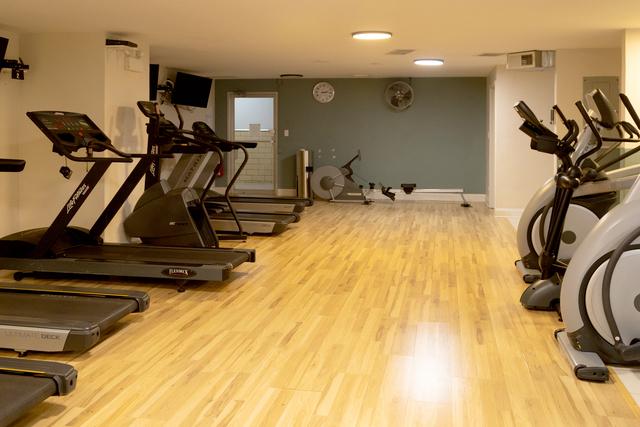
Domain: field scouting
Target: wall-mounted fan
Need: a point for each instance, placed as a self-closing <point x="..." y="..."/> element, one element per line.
<point x="399" y="95"/>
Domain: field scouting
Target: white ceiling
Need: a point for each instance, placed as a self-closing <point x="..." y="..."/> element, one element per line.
<point x="253" y="39"/>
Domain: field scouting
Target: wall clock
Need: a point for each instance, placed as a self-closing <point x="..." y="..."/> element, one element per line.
<point x="323" y="92"/>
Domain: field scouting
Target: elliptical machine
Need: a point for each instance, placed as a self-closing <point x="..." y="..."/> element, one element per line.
<point x="597" y="194"/>
<point x="600" y="294"/>
<point x="545" y="293"/>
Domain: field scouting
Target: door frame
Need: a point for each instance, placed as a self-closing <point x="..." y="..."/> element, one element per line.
<point x="231" y="97"/>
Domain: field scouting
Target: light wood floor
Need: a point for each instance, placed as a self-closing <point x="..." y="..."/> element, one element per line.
<point x="390" y="314"/>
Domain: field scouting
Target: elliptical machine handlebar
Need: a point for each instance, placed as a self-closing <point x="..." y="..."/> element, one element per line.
<point x="560" y="113"/>
<point x="632" y="111"/>
<point x="589" y="121"/>
<point x="545" y="140"/>
<point x="566" y="146"/>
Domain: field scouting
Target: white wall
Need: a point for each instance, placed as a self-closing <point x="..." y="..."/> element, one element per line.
<point x="67" y="73"/>
<point x="9" y="113"/>
<point x="490" y="155"/>
<point x="630" y="79"/>
<point x="572" y="65"/>
<point x="518" y="170"/>
<point x="126" y="82"/>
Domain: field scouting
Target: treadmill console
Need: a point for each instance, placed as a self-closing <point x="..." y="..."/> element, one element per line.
<point x="204" y="130"/>
<point x="166" y="128"/>
<point x="201" y="128"/>
<point x="148" y="108"/>
<point x="69" y="132"/>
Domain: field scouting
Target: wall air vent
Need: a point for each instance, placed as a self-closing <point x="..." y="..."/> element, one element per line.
<point x="531" y="60"/>
<point x="401" y="51"/>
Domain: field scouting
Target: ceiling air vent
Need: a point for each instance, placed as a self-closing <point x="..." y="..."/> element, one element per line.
<point x="531" y="60"/>
<point x="401" y="51"/>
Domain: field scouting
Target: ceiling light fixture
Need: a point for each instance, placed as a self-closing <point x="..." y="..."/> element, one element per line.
<point x="371" y="35"/>
<point x="429" y="62"/>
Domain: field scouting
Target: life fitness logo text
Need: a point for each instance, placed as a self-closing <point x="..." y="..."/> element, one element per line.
<point x="178" y="272"/>
<point x="74" y="199"/>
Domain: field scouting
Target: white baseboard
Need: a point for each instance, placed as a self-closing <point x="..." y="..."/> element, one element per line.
<point x="509" y="213"/>
<point x="286" y="192"/>
<point x="376" y="194"/>
<point x="417" y="196"/>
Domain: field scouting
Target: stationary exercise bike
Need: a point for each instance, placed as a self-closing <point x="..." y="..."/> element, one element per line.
<point x="600" y="296"/>
<point x="337" y="185"/>
<point x="596" y="195"/>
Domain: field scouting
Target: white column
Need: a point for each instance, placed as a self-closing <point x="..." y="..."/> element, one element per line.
<point x="518" y="170"/>
<point x="631" y="66"/>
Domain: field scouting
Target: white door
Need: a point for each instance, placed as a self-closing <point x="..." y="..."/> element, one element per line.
<point x="253" y="118"/>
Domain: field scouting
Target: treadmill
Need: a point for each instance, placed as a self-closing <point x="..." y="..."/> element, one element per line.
<point x="26" y="383"/>
<point x="73" y="250"/>
<point x="164" y="136"/>
<point x="223" y="219"/>
<point x="264" y="204"/>
<point x="60" y="318"/>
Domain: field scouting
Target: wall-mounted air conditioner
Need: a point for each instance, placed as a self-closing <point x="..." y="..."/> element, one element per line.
<point x="531" y="60"/>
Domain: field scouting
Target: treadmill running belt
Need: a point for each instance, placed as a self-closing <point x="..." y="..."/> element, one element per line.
<point x="77" y="310"/>
<point x="158" y="255"/>
<point x="19" y="393"/>
<point x="250" y="216"/>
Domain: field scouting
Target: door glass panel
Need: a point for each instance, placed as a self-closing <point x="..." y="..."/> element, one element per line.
<point x="254" y="122"/>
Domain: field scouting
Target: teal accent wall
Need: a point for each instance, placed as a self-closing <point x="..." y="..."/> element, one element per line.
<point x="439" y="142"/>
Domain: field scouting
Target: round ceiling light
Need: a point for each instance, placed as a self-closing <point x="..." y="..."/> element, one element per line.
<point x="429" y="62"/>
<point x="371" y="35"/>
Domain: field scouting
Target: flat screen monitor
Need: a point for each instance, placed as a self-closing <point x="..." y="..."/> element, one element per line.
<point x="191" y="90"/>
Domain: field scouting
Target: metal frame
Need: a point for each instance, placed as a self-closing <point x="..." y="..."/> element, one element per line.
<point x="231" y="96"/>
